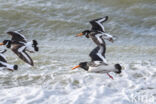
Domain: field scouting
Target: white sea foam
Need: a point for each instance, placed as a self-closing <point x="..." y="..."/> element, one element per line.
<point x="136" y="85"/>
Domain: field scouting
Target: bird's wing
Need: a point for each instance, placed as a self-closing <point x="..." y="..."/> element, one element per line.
<point x="16" y="36"/>
<point x="19" y="50"/>
<point x="2" y="58"/>
<point x="93" y="54"/>
<point x="97" y="24"/>
<point x="3" y="51"/>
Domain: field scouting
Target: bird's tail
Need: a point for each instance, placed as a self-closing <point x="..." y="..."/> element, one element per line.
<point x="32" y="46"/>
<point x="35" y="43"/>
<point x="119" y="68"/>
<point x="10" y="67"/>
<point x="15" y="67"/>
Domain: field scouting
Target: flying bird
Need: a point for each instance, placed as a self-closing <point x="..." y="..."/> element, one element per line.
<point x="4" y="64"/>
<point x="20" y="46"/>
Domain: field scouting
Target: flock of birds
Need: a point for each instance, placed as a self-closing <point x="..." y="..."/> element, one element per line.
<point x="98" y="64"/>
<point x="20" y="46"/>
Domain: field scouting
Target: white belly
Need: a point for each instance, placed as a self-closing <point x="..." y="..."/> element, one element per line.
<point x="103" y="69"/>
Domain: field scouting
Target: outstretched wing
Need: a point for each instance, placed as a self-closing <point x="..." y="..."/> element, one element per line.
<point x="3" y="51"/>
<point x="16" y="36"/>
<point x="97" y="24"/>
<point x="19" y="50"/>
<point x="2" y="58"/>
<point x="93" y="54"/>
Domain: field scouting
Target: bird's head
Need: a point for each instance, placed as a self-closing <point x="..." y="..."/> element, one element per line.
<point x="82" y="65"/>
<point x="7" y="43"/>
<point x="84" y="33"/>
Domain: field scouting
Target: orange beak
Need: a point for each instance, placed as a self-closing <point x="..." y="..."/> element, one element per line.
<point x="79" y="34"/>
<point x="75" y="67"/>
<point x="1" y="44"/>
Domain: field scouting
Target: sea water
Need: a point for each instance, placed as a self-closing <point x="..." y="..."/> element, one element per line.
<point x="54" y="24"/>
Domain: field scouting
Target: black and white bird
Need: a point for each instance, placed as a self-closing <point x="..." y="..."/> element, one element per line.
<point x="97" y="66"/>
<point x="19" y="46"/>
<point x="97" y="26"/>
<point x="98" y="34"/>
<point x="4" y="64"/>
<point x="98" y="39"/>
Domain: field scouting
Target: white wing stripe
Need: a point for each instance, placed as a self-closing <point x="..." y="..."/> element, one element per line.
<point x="21" y="51"/>
<point x="98" y="37"/>
<point x="2" y="56"/>
<point x="7" y="65"/>
<point x="101" y="25"/>
<point x="100" y="54"/>
<point x="107" y="36"/>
